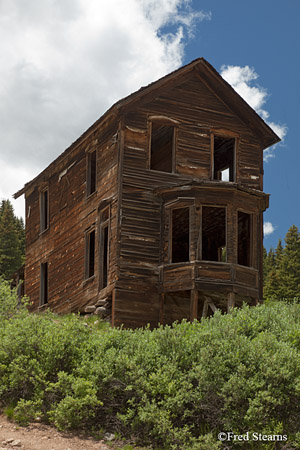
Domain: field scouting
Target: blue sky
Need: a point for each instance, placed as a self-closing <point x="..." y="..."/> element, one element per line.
<point x="264" y="35"/>
<point x="63" y="63"/>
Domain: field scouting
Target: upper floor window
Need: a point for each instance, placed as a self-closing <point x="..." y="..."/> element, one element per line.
<point x="44" y="210"/>
<point x="162" y="147"/>
<point x="91" y="172"/>
<point x="224" y="158"/>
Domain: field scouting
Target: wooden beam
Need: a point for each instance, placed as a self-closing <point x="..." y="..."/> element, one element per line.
<point x="208" y="303"/>
<point x="205" y="308"/>
<point x="230" y="301"/>
<point x="194" y="305"/>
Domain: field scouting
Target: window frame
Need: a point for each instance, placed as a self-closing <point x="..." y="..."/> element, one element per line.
<point x="200" y="250"/>
<point x="87" y="254"/>
<point x="251" y="228"/>
<point x="178" y="203"/>
<point x="226" y="135"/>
<point x="104" y="223"/>
<point x="163" y="121"/>
<point x="171" y="234"/>
<point x="44" y="283"/>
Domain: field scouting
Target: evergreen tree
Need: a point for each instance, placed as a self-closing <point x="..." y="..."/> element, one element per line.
<point x="268" y="262"/>
<point x="289" y="265"/>
<point x="271" y="278"/>
<point x="12" y="240"/>
<point x="21" y="234"/>
<point x="282" y="268"/>
<point x="278" y="253"/>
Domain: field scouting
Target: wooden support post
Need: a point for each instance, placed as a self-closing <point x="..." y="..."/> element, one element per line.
<point x="230" y="301"/>
<point x="208" y="303"/>
<point x="194" y="305"/>
<point x="205" y="308"/>
<point x="162" y="296"/>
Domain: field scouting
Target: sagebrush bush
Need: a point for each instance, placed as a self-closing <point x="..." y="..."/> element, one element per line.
<point x="174" y="387"/>
<point x="9" y="303"/>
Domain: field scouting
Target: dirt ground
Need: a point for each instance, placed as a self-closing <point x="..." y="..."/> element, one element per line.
<point x="38" y="436"/>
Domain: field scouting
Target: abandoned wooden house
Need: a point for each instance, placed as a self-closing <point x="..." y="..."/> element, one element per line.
<point x="155" y="213"/>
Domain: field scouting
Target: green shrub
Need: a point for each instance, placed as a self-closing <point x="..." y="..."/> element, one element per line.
<point x="171" y="388"/>
<point x="9" y="303"/>
<point x="78" y="402"/>
<point x="27" y="411"/>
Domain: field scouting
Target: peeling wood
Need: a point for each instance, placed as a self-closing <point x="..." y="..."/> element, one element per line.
<point x="143" y="284"/>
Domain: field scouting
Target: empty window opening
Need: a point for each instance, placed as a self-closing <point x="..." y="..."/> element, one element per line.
<point x="180" y="235"/>
<point x="224" y="174"/>
<point x="44" y="284"/>
<point x="214" y="234"/>
<point x="222" y="254"/>
<point x="162" y="147"/>
<point x="224" y="149"/>
<point x="105" y="255"/>
<point x="90" y="254"/>
<point x="244" y="239"/>
<point x="44" y="216"/>
<point x="91" y="172"/>
<point x="104" y="248"/>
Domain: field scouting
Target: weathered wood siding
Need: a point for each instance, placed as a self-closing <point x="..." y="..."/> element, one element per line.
<point x="198" y="113"/>
<point x="145" y="286"/>
<point x="71" y="214"/>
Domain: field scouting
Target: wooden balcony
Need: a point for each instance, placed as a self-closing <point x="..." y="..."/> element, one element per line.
<point x="209" y="276"/>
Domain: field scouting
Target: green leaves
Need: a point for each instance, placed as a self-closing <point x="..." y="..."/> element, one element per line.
<point x="173" y="387"/>
<point x="282" y="268"/>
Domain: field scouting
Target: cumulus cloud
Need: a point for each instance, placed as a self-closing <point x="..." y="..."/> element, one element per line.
<point x="242" y="79"/>
<point x="268" y="228"/>
<point x="63" y="63"/>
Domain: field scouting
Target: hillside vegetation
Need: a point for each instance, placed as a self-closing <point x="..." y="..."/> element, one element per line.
<point x="170" y="388"/>
<point x="282" y="268"/>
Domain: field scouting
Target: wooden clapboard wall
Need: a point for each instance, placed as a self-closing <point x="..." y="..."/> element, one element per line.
<point x="143" y="286"/>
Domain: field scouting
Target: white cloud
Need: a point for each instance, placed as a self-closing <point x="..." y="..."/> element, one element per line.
<point x="241" y="79"/>
<point x="63" y="63"/>
<point x="268" y="228"/>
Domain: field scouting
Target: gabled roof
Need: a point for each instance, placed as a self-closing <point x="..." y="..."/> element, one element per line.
<point x="213" y="80"/>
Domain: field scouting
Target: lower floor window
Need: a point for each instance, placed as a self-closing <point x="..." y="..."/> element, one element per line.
<point x="202" y="232"/>
<point x="90" y="254"/>
<point x="180" y="235"/>
<point x="44" y="283"/>
<point x="244" y="239"/>
<point x="214" y="233"/>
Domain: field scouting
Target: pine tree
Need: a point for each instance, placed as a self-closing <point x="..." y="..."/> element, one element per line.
<point x="271" y="275"/>
<point x="12" y="240"/>
<point x="269" y="261"/>
<point x="289" y="265"/>
<point x="278" y="253"/>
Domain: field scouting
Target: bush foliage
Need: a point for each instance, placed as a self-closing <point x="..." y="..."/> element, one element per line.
<point x="171" y="388"/>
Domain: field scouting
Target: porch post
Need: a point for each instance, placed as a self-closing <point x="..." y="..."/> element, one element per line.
<point x="230" y="301"/>
<point x="194" y="305"/>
